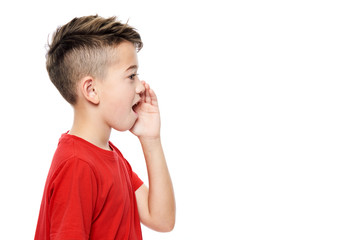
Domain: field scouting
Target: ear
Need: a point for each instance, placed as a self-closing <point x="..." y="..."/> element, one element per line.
<point x="89" y="91"/>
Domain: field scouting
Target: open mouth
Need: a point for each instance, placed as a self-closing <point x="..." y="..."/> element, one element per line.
<point x="135" y="105"/>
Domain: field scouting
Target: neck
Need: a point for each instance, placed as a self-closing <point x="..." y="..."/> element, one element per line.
<point x="91" y="129"/>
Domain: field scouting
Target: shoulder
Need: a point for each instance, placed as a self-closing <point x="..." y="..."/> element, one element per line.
<point x="71" y="157"/>
<point x="73" y="147"/>
<point x="71" y="153"/>
<point x="72" y="168"/>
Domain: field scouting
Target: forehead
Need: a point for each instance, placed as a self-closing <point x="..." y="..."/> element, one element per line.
<point x="125" y="55"/>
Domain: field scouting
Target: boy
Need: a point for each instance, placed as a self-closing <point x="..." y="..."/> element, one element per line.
<point x="91" y="191"/>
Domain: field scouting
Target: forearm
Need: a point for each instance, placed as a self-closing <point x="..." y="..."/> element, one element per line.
<point x="161" y="200"/>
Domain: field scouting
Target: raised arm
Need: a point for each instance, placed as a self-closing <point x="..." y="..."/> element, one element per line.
<point x="156" y="204"/>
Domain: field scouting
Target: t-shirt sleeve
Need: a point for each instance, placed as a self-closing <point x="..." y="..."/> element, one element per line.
<point x="72" y="199"/>
<point x="136" y="181"/>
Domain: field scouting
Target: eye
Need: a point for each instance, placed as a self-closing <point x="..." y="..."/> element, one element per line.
<point x="133" y="76"/>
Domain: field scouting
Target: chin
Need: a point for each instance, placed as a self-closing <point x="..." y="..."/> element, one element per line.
<point x="122" y="129"/>
<point x="125" y="127"/>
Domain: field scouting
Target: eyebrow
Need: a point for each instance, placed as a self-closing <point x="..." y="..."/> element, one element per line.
<point x="132" y="67"/>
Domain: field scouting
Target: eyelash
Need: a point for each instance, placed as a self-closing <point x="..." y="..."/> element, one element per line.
<point x="132" y="76"/>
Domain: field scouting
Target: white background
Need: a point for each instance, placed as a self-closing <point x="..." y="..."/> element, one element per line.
<point x="259" y="103"/>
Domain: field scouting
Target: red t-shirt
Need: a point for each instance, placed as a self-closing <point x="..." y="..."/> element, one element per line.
<point x="89" y="194"/>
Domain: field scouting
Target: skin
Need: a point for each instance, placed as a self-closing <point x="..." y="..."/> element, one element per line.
<point x="106" y="104"/>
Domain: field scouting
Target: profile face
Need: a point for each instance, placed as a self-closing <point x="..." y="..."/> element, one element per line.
<point x="120" y="90"/>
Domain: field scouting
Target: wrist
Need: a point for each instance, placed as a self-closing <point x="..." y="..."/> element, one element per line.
<point x="150" y="141"/>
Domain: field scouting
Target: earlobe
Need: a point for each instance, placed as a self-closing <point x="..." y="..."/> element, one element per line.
<point x="89" y="91"/>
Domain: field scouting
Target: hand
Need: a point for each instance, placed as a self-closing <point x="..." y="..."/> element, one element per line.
<point x="148" y="123"/>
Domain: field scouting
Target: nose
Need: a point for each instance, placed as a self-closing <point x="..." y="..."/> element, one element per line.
<point x="140" y="88"/>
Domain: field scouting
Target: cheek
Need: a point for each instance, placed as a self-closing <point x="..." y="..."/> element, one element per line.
<point x="121" y="119"/>
<point x="117" y="100"/>
<point x="117" y="108"/>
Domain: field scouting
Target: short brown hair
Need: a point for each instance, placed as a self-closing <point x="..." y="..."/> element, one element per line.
<point x="83" y="47"/>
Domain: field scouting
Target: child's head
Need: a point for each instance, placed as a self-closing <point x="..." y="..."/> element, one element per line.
<point x="84" y="47"/>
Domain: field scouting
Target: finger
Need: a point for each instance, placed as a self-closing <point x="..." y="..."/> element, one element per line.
<point x="147" y="95"/>
<point x="153" y="97"/>
<point x="142" y="95"/>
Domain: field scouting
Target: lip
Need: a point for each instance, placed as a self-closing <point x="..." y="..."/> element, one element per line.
<point x="135" y="105"/>
<point x="138" y="101"/>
